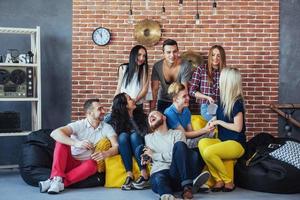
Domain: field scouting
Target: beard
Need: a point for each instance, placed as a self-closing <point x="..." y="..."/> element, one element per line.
<point x="157" y="124"/>
<point x="96" y="117"/>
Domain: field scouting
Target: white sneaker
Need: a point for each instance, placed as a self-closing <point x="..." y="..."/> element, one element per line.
<point x="200" y="180"/>
<point x="167" y="197"/>
<point x="204" y="188"/>
<point x="44" y="185"/>
<point x="56" y="185"/>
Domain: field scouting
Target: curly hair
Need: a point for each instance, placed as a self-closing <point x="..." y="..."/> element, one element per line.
<point x="120" y="119"/>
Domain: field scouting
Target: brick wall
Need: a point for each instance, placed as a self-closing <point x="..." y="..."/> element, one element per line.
<point x="247" y="29"/>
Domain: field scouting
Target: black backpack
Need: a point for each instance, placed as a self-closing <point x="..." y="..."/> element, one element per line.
<point x="259" y="171"/>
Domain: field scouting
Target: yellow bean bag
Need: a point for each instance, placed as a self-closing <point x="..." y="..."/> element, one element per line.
<point x="102" y="145"/>
<point x="115" y="173"/>
<point x="198" y="122"/>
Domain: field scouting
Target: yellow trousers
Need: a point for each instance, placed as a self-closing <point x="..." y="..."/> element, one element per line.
<point x="214" y="152"/>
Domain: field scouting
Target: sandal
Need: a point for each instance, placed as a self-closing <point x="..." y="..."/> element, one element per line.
<point x="218" y="187"/>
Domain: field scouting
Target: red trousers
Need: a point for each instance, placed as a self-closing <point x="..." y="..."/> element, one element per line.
<point x="70" y="169"/>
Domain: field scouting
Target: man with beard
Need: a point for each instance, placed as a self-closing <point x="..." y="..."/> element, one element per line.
<point x="74" y="158"/>
<point x="175" y="167"/>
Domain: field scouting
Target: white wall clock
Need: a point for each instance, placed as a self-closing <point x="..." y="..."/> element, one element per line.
<point x="101" y="36"/>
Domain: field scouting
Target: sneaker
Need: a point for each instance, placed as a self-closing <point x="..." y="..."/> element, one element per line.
<point x="200" y="180"/>
<point x="141" y="183"/>
<point x="203" y="188"/>
<point x="167" y="197"/>
<point x="44" y="185"/>
<point x="128" y="184"/>
<point x="187" y="192"/>
<point x="56" y="185"/>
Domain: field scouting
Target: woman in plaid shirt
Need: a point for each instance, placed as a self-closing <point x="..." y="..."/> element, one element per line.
<point x="205" y="80"/>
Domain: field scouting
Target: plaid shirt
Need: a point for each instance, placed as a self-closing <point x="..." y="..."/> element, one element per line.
<point x="199" y="83"/>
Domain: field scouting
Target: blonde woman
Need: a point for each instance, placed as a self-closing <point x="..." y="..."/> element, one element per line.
<point x="231" y="130"/>
<point x="205" y="80"/>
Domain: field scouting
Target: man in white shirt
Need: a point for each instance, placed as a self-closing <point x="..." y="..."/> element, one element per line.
<point x="175" y="167"/>
<point x="74" y="158"/>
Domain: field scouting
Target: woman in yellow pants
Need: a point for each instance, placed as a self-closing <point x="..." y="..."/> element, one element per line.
<point x="231" y="131"/>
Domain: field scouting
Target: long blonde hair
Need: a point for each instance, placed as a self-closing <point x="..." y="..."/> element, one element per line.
<point x="230" y="89"/>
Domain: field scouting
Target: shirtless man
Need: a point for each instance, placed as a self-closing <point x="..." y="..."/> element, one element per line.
<point x="166" y="71"/>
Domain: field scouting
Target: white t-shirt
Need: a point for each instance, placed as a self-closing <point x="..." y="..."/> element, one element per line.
<point x="82" y="130"/>
<point x="162" y="147"/>
<point x="134" y="86"/>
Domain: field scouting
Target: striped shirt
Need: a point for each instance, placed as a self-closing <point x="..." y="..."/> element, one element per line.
<point x="200" y="83"/>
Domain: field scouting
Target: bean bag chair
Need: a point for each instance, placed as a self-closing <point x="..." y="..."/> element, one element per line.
<point x="36" y="161"/>
<point x="115" y="173"/>
<point x="259" y="171"/>
<point x="198" y="122"/>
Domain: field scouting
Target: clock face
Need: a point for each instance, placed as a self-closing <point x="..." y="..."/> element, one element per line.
<point x="101" y="36"/>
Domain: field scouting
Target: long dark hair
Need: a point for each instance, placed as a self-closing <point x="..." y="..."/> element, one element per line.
<point x="120" y="116"/>
<point x="132" y="65"/>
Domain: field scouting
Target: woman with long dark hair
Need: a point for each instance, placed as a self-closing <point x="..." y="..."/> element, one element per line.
<point x="131" y="125"/>
<point x="133" y="76"/>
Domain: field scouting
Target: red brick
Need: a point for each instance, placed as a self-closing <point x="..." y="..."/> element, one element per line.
<point x="248" y="30"/>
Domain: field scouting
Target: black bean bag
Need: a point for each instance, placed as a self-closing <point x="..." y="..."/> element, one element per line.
<point x="36" y="161"/>
<point x="264" y="173"/>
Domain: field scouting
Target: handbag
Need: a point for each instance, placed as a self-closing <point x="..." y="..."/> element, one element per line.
<point x="261" y="154"/>
<point x="289" y="153"/>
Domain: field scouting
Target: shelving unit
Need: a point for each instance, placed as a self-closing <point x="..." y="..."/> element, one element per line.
<point x="36" y="65"/>
<point x="11" y="141"/>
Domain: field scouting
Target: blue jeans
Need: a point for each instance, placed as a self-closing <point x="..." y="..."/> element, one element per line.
<point x="128" y="142"/>
<point x="186" y="165"/>
<point x="162" y="105"/>
<point x="107" y="117"/>
<point x="204" y="113"/>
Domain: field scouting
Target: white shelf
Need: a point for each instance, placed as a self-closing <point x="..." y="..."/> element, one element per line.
<point x="23" y="133"/>
<point x="17" y="65"/>
<point x="36" y="108"/>
<point x="9" y="166"/>
<point x="35" y="48"/>
<point x="11" y="30"/>
<point x="19" y="99"/>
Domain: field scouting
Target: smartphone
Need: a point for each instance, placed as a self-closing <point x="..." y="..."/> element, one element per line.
<point x="145" y="157"/>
